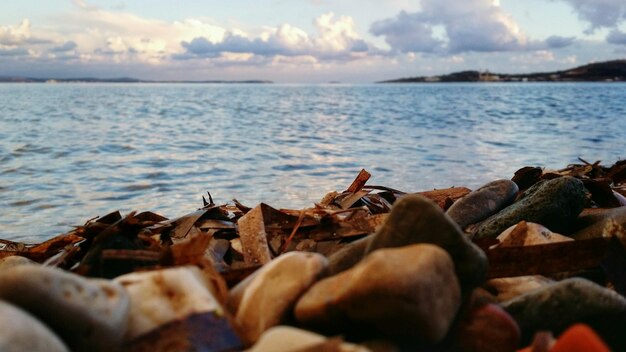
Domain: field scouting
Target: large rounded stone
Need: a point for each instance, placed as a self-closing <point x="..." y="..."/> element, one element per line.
<point x="267" y="298"/>
<point x="483" y="202"/>
<point x="556" y="307"/>
<point x="20" y="331"/>
<point x="290" y="339"/>
<point x="597" y="223"/>
<point x="415" y="219"/>
<point x="348" y="256"/>
<point x="553" y="203"/>
<point x="89" y="314"/>
<point x="13" y="261"/>
<point x="409" y="293"/>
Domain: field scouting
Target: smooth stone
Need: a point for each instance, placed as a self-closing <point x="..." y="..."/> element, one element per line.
<point x="162" y="296"/>
<point x="415" y="219"/>
<point x="528" y="234"/>
<point x="348" y="255"/>
<point x="290" y="339"/>
<point x="88" y="314"/>
<point x="552" y="203"/>
<point x="597" y="223"/>
<point x="556" y="307"/>
<point x="20" y="331"/>
<point x="13" y="261"/>
<point x="483" y="202"/>
<point x="409" y="293"/>
<point x="267" y="298"/>
<point x="488" y="328"/>
<point x="510" y="287"/>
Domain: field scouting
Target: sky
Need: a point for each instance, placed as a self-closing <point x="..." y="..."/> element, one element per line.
<point x="304" y="41"/>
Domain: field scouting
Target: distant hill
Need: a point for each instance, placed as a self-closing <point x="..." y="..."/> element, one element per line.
<point x="17" y="79"/>
<point x="612" y="71"/>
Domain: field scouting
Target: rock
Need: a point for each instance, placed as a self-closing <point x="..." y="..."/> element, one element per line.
<point x="487" y="328"/>
<point x="348" y="256"/>
<point x="290" y="339"/>
<point x="414" y="219"/>
<point x="556" y="307"/>
<point x="483" y="202"/>
<point x="267" y="298"/>
<point x="161" y="296"/>
<point x="88" y="314"/>
<point x="409" y="293"/>
<point x="511" y="287"/>
<point x="20" y="331"/>
<point x="528" y="234"/>
<point x="553" y="203"/>
<point x="596" y="223"/>
<point x="13" y="261"/>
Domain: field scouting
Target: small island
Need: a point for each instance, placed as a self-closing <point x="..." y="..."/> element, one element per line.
<point x="608" y="71"/>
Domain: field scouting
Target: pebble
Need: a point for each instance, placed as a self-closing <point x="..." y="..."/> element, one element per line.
<point x="408" y="293"/>
<point x="13" y="261"/>
<point x="553" y="203"/>
<point x="162" y="296"/>
<point x="556" y="307"/>
<point x="487" y="328"/>
<point x="510" y="287"/>
<point x="528" y="234"/>
<point x="88" y="314"/>
<point x="290" y="339"/>
<point x="483" y="202"/>
<point x="348" y="255"/>
<point x="20" y="331"/>
<point x="415" y="219"/>
<point x="597" y="223"/>
<point x="267" y="298"/>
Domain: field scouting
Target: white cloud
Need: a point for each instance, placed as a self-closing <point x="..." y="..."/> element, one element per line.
<point x="468" y="26"/>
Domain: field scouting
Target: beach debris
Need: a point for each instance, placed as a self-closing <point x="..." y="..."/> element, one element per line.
<point x="440" y="269"/>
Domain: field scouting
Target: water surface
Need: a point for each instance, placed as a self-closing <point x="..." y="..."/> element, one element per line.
<point x="69" y="152"/>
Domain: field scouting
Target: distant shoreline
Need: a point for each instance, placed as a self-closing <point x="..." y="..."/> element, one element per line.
<point x="119" y="80"/>
<point x="608" y="71"/>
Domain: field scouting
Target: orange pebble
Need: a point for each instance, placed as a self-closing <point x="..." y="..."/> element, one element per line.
<point x="579" y="338"/>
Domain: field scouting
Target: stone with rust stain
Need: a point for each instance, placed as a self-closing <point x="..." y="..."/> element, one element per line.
<point x="88" y="314"/>
<point x="528" y="234"/>
<point x="267" y="297"/>
<point x="162" y="296"/>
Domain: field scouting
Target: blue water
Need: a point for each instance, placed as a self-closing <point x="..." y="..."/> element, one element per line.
<point x="69" y="152"/>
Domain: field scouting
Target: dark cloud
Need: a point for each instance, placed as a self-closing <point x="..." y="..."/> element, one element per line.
<point x="407" y="33"/>
<point x="600" y="13"/>
<point x="67" y="46"/>
<point x="557" y="42"/>
<point x="14" y="52"/>
<point x="616" y="37"/>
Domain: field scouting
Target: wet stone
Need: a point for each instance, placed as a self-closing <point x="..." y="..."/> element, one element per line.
<point x="483" y="202"/>
<point x="415" y="219"/>
<point x="88" y="314"/>
<point x="553" y="203"/>
<point x="556" y="307"/>
<point x="20" y="331"/>
<point x="397" y="292"/>
<point x="267" y="298"/>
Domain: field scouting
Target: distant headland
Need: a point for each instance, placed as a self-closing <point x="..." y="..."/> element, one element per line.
<point x="608" y="71"/>
<point x="20" y="79"/>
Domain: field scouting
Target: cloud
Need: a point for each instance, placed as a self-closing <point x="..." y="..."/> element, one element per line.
<point x="616" y="37"/>
<point x="599" y="13"/>
<point x="67" y="46"/>
<point x="13" y="52"/>
<point x="453" y="27"/>
<point x="557" y="42"/>
<point x="336" y="38"/>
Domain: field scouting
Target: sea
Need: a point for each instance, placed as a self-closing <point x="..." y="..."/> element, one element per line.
<point x="71" y="152"/>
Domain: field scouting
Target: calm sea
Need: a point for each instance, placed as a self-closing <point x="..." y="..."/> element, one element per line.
<point x="69" y="152"/>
